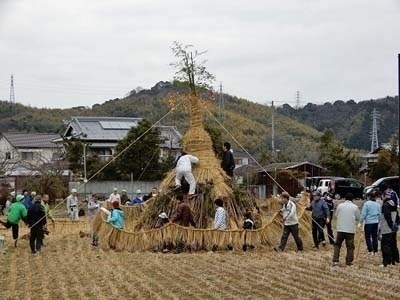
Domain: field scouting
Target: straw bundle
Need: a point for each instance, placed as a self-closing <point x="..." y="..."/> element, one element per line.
<point x="67" y="226"/>
<point x="198" y="239"/>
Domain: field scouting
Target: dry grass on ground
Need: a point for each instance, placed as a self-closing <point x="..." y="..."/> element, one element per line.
<point x="69" y="268"/>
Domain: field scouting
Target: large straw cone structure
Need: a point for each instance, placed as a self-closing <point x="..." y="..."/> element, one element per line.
<point x="198" y="143"/>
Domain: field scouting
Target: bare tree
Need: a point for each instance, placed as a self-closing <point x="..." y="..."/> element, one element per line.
<point x="189" y="68"/>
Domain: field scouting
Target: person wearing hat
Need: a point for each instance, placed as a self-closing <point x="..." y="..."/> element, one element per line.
<point x="124" y="197"/>
<point x="389" y="225"/>
<point x="162" y="220"/>
<point x="320" y="216"/>
<point x="93" y="208"/>
<point x="347" y="214"/>
<point x="116" y="217"/>
<point x="291" y="224"/>
<point x="72" y="205"/>
<point x="138" y="198"/>
<point x="16" y="213"/>
<point x="115" y="196"/>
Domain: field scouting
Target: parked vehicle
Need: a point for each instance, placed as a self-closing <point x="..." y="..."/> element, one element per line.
<point x="341" y="186"/>
<point x="382" y="183"/>
<point x="323" y="186"/>
<point x="313" y="182"/>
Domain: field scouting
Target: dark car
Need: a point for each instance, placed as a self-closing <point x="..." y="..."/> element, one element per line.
<point x="341" y="186"/>
<point x="382" y="184"/>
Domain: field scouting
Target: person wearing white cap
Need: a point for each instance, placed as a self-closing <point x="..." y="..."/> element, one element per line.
<point x="139" y="197"/>
<point x="124" y="197"/>
<point x="162" y="220"/>
<point x="115" y="196"/>
<point x="72" y="205"/>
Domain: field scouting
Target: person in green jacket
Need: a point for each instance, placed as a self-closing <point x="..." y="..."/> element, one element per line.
<point x="16" y="213"/>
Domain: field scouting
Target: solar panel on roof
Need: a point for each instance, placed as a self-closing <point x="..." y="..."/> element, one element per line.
<point x="117" y="125"/>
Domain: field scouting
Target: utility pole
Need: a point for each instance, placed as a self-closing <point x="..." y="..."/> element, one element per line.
<point x="398" y="111"/>
<point x="12" y="94"/>
<point x="220" y="103"/>
<point x="374" y="132"/>
<point x="84" y="168"/>
<point x="273" y="130"/>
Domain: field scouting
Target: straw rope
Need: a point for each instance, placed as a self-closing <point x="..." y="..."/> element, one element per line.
<point x="198" y="239"/>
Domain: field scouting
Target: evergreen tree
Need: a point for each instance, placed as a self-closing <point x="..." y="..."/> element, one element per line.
<point x="337" y="160"/>
<point x="142" y="159"/>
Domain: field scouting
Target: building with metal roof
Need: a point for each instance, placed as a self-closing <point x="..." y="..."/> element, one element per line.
<point x="102" y="134"/>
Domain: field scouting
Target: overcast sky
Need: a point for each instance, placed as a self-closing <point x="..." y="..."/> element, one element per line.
<point x="82" y="52"/>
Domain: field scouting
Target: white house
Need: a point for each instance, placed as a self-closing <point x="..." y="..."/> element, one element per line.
<point x="25" y="151"/>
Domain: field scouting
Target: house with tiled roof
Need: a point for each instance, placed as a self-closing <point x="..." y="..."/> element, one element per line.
<point x="101" y="134"/>
<point x="25" y="150"/>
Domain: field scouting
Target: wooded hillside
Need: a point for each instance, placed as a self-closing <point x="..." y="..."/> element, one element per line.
<point x="296" y="131"/>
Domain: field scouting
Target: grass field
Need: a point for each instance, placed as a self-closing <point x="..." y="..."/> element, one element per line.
<point x="69" y="268"/>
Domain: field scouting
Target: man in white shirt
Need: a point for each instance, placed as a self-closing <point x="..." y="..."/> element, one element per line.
<point x="220" y="215"/>
<point x="72" y="205"/>
<point x="347" y="214"/>
<point x="115" y="196"/>
<point x="184" y="169"/>
<point x="291" y="224"/>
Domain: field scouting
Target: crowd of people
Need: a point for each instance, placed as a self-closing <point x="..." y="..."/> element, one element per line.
<point x="378" y="219"/>
<point x="34" y="211"/>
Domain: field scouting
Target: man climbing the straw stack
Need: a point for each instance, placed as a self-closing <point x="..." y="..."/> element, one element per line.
<point x="184" y="169"/>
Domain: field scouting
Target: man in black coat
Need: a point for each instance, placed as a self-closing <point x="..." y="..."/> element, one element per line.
<point x="36" y="220"/>
<point x="228" y="163"/>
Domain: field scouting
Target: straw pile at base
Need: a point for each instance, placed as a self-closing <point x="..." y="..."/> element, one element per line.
<point x="199" y="239"/>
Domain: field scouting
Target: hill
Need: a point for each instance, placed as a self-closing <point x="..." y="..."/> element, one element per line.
<point x="351" y="121"/>
<point x="297" y="131"/>
<point x="249" y="123"/>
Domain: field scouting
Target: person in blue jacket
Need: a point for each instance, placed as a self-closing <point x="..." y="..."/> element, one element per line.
<point x="370" y="216"/>
<point x="116" y="218"/>
<point x="320" y="216"/>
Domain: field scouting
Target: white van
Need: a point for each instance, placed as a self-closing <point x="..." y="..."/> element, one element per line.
<point x="323" y="186"/>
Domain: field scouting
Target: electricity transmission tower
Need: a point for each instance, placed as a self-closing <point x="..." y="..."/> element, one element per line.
<point x="12" y="94"/>
<point x="297" y="99"/>
<point x="374" y="131"/>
